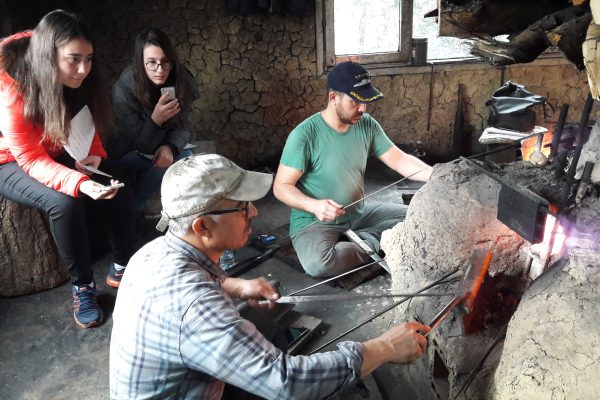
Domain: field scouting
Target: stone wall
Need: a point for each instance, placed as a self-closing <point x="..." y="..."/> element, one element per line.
<point x="258" y="76"/>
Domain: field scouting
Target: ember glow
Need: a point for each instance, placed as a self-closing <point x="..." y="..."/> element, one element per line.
<point x="542" y="249"/>
<point x="528" y="146"/>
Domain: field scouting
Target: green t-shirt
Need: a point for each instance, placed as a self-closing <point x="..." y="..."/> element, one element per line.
<point x="333" y="163"/>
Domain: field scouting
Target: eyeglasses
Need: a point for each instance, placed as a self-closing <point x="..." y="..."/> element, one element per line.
<point x="153" y="65"/>
<point x="229" y="210"/>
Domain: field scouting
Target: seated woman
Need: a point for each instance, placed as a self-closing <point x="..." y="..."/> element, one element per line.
<point x="150" y="122"/>
<point x="46" y="79"/>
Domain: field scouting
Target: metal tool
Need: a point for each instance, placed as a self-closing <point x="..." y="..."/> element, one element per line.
<point x="558" y="129"/>
<point x="363" y="198"/>
<point x="367" y="249"/>
<point x="333" y="278"/>
<point x="586" y="181"/>
<point x="382" y="189"/>
<point x="519" y="208"/>
<point x="396" y="304"/>
<point x="580" y="140"/>
<point x="244" y="265"/>
<point x="467" y="290"/>
<point x="342" y="297"/>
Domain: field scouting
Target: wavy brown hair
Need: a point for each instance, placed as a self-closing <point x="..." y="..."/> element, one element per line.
<point x="33" y="64"/>
<point x="146" y="91"/>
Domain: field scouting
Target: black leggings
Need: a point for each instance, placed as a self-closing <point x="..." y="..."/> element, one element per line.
<point x="66" y="215"/>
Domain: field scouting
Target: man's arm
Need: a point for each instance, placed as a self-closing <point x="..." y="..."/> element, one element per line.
<point x="402" y="344"/>
<point x="286" y="191"/>
<point x="406" y="164"/>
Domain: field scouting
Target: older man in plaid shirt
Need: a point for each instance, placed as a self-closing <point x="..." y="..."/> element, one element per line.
<point x="177" y="333"/>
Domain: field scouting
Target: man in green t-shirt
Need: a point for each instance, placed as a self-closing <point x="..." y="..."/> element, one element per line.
<point x="322" y="169"/>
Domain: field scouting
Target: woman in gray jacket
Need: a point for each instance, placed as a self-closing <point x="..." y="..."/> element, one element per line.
<point x="151" y="99"/>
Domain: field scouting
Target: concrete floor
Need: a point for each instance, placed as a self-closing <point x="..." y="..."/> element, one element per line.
<point x="44" y="355"/>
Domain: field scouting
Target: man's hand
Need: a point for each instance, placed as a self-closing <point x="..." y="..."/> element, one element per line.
<point x="252" y="290"/>
<point x="402" y="344"/>
<point x="326" y="210"/>
<point x="163" y="157"/>
<point x="92" y="161"/>
<point x="165" y="109"/>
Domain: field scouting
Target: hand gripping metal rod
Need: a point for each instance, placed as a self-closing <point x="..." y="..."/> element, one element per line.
<point x="371" y="318"/>
<point x="367" y="196"/>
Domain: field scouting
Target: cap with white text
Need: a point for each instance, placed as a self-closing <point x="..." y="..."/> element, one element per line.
<point x="353" y="79"/>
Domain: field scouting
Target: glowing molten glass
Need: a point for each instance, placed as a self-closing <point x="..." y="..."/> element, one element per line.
<point x="558" y="242"/>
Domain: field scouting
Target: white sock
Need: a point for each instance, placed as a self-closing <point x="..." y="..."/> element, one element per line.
<point x="119" y="267"/>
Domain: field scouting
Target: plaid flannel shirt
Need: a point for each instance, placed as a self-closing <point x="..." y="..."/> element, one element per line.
<point x="177" y="334"/>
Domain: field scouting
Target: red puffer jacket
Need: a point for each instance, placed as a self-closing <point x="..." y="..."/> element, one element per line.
<point x="20" y="140"/>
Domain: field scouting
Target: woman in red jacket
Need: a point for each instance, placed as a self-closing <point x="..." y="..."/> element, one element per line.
<point x="46" y="78"/>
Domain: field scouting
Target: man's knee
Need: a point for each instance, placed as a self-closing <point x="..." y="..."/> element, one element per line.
<point x="343" y="257"/>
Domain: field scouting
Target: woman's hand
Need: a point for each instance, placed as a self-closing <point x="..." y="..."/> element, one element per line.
<point x="97" y="191"/>
<point x="165" y="109"/>
<point x="163" y="157"/>
<point x="92" y="161"/>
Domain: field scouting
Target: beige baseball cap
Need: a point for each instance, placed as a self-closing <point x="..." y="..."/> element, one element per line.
<point x="195" y="184"/>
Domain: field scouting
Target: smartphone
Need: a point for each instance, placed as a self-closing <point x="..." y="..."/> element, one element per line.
<point x="168" y="89"/>
<point x="111" y="187"/>
<point x="294" y="333"/>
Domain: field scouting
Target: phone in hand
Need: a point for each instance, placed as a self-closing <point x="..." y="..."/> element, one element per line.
<point x="170" y="90"/>
<point x="111" y="187"/>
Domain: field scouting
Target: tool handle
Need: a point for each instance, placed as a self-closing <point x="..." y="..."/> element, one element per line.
<point x="361" y="243"/>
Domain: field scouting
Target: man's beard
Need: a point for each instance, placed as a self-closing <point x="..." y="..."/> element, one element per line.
<point x="348" y="120"/>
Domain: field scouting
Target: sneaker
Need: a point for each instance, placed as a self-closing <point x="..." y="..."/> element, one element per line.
<point x="86" y="311"/>
<point x="114" y="277"/>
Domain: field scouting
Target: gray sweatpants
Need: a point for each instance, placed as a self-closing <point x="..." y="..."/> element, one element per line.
<point x="321" y="252"/>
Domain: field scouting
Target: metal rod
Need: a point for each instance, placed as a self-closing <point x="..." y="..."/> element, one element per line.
<point x="587" y="109"/>
<point x="365" y="197"/>
<point x="313" y="298"/>
<point x="429" y="286"/>
<point x="334" y="278"/>
<point x="430" y="101"/>
<point x="558" y="129"/>
<point x="383" y="188"/>
<point x="443" y="313"/>
<point x="516" y="143"/>
<point x="471" y="376"/>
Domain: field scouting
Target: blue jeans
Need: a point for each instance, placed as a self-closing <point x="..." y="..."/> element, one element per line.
<point x="146" y="177"/>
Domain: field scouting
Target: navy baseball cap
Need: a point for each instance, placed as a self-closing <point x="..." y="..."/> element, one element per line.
<point x="353" y="79"/>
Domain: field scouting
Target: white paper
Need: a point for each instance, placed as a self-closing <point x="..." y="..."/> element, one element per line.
<point x="94" y="170"/>
<point x="81" y="137"/>
<point x="82" y="134"/>
<point x="496" y="135"/>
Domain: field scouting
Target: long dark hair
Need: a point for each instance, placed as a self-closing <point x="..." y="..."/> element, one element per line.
<point x="33" y="64"/>
<point x="146" y="91"/>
